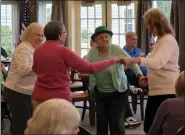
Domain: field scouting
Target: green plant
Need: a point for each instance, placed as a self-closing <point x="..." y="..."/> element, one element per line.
<point x="6" y="39"/>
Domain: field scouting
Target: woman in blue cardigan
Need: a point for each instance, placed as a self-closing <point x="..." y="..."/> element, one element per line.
<point x="110" y="85"/>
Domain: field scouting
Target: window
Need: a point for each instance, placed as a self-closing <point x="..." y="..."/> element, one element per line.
<point x="165" y="6"/>
<point x="9" y="24"/>
<point x="123" y="20"/>
<point x="120" y="20"/>
<point x="91" y="17"/>
<point x="45" y="8"/>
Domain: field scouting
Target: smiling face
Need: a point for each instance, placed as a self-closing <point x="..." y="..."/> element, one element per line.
<point x="103" y="40"/>
<point x="36" y="36"/>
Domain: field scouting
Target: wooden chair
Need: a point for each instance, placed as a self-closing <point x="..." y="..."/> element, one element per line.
<point x="84" y="96"/>
<point x="141" y="96"/>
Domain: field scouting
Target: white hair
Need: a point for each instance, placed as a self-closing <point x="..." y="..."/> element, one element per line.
<point x="33" y="26"/>
<point x="54" y="116"/>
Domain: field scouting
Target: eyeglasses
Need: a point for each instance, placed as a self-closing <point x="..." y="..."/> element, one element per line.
<point x="65" y="33"/>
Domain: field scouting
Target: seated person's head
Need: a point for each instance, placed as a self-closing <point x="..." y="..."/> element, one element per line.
<point x="131" y="39"/>
<point x="55" y="116"/>
<point x="55" y="30"/>
<point x="179" y="86"/>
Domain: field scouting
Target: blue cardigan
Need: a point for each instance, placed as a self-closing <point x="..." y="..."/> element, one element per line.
<point x="119" y="78"/>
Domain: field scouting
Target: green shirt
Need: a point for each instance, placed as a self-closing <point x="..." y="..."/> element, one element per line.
<point x="114" y="75"/>
<point x="104" y="78"/>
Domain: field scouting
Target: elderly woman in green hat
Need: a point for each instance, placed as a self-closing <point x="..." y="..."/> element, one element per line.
<point x="109" y="86"/>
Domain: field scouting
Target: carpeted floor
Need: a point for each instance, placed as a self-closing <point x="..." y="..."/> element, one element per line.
<point x="133" y="131"/>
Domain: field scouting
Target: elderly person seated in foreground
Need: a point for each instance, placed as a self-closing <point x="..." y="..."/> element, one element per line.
<point x="170" y="115"/>
<point x="54" y="116"/>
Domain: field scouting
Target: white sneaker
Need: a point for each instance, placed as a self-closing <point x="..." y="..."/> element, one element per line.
<point x="134" y="89"/>
<point x="132" y="122"/>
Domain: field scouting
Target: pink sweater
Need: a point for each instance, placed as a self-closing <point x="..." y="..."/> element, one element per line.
<point x="51" y="65"/>
<point x="162" y="66"/>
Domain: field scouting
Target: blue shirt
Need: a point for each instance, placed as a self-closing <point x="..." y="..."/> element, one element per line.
<point x="135" y="53"/>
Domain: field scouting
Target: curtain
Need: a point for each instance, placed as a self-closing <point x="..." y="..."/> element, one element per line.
<point x="177" y="19"/>
<point x="143" y="34"/>
<point x="59" y="12"/>
<point x="21" y="7"/>
<point x="33" y="10"/>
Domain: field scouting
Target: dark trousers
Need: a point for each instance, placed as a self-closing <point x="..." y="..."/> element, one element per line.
<point x="20" y="107"/>
<point x="132" y="78"/>
<point x="110" y="111"/>
<point x="152" y="105"/>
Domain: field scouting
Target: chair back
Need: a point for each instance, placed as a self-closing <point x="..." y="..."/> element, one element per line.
<point x="180" y="131"/>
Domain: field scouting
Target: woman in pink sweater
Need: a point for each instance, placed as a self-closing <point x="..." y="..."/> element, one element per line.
<point x="162" y="63"/>
<point x="52" y="62"/>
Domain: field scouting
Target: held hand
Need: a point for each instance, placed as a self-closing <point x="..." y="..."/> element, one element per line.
<point x="125" y="61"/>
<point x="143" y="81"/>
<point x="117" y="58"/>
<point x="121" y="59"/>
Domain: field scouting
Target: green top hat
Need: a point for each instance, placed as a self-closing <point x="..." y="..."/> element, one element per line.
<point x="99" y="30"/>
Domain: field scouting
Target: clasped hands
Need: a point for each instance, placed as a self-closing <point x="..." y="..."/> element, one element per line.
<point x="143" y="81"/>
<point x="122" y="60"/>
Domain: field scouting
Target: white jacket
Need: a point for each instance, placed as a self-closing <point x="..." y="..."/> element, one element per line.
<point x="20" y="77"/>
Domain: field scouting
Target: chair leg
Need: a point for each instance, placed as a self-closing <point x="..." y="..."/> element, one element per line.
<point x="84" y="110"/>
<point x="134" y="103"/>
<point x="142" y="105"/>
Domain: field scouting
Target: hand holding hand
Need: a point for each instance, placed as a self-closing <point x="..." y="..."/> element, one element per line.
<point x="125" y="61"/>
<point x="117" y="58"/>
<point x="121" y="59"/>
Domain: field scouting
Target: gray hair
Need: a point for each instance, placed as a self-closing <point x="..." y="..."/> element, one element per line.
<point x="54" y="116"/>
<point x="25" y="35"/>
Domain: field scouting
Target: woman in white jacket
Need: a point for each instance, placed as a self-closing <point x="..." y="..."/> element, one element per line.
<point x="21" y="79"/>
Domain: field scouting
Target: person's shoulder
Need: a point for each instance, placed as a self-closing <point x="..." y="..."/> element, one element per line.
<point x="137" y="49"/>
<point x="116" y="47"/>
<point x="170" y="38"/>
<point x="171" y="102"/>
<point x="93" y="50"/>
<point x="174" y="101"/>
<point x="64" y="49"/>
<point x="23" y="46"/>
